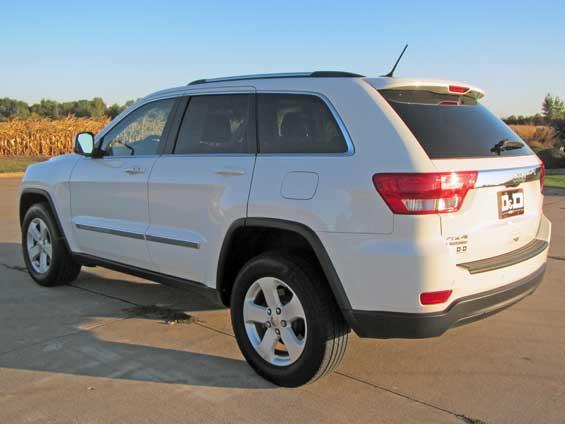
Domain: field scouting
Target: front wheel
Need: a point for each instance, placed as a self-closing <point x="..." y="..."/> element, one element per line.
<point x="286" y="321"/>
<point x="46" y="256"/>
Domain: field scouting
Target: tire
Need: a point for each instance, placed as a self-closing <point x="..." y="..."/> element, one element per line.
<point x="320" y="337"/>
<point x="54" y="265"/>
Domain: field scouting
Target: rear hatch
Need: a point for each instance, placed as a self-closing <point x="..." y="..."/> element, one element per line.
<point x="502" y="212"/>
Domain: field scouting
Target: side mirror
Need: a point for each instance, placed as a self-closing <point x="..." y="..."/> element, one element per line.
<point x="84" y="143"/>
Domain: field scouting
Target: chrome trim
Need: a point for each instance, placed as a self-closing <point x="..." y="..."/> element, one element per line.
<point x="175" y="242"/>
<point x="350" y="147"/>
<point x="111" y="231"/>
<point x="138" y="236"/>
<point x="510" y="177"/>
<point x="134" y="171"/>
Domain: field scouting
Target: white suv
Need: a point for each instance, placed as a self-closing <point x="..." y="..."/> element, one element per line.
<point x="313" y="203"/>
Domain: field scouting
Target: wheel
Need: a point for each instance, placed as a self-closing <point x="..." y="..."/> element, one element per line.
<point x="286" y="321"/>
<point x="46" y="257"/>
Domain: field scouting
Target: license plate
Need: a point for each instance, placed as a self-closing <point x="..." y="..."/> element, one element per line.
<point x="510" y="203"/>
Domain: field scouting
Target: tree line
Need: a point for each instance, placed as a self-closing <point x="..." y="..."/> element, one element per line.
<point x="553" y="115"/>
<point x="553" y="109"/>
<point x="95" y="108"/>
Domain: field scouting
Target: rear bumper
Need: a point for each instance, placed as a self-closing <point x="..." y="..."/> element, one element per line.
<point x="384" y="325"/>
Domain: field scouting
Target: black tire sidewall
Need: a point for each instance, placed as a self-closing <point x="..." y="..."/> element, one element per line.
<point x="58" y="247"/>
<point x="283" y="268"/>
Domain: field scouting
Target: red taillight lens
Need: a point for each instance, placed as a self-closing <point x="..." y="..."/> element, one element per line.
<point x="434" y="298"/>
<point x="458" y="89"/>
<point x="542" y="176"/>
<point x="419" y="194"/>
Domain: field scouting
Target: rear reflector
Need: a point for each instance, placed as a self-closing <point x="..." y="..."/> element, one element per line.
<point x="420" y="194"/>
<point x="458" y="89"/>
<point x="434" y="298"/>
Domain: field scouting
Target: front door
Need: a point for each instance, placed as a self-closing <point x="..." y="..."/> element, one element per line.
<point x="109" y="194"/>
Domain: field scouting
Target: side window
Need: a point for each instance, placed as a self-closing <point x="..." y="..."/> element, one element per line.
<point x="297" y="123"/>
<point x="215" y="124"/>
<point x="140" y="132"/>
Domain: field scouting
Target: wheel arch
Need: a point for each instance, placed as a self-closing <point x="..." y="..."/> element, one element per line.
<point x="32" y="196"/>
<point x="226" y="275"/>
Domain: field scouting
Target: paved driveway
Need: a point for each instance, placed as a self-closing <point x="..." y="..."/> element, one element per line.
<point x="105" y="350"/>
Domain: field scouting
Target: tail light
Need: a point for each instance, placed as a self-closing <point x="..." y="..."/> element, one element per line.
<point x="420" y="194"/>
<point x="435" y="298"/>
<point x="542" y="176"/>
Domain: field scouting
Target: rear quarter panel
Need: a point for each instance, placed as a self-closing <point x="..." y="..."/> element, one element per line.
<point x="345" y="200"/>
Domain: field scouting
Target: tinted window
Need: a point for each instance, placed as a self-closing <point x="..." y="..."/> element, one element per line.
<point x="215" y="124"/>
<point x="297" y="123"/>
<point x="140" y="132"/>
<point x="458" y="128"/>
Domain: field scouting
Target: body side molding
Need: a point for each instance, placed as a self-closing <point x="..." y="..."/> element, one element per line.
<point x="139" y="236"/>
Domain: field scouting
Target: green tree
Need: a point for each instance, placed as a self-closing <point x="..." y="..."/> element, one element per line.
<point x="97" y="108"/>
<point x="547" y="107"/>
<point x="114" y="110"/>
<point x="47" y="109"/>
<point x="82" y="109"/>
<point x="11" y="108"/>
<point x="558" y="108"/>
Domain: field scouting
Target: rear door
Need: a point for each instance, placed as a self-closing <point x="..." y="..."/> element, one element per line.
<point x="201" y="186"/>
<point x="503" y="211"/>
<point x="109" y="194"/>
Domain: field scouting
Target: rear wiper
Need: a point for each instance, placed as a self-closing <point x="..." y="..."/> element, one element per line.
<point x="506" y="144"/>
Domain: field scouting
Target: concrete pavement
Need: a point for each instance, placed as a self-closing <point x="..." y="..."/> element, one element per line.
<point x="91" y="352"/>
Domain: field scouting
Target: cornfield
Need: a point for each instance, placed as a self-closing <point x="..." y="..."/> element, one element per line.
<point x="42" y="136"/>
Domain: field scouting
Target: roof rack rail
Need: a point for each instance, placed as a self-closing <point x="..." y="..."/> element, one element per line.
<point x="315" y="74"/>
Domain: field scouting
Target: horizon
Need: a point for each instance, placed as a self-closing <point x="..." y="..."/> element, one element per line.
<point x="127" y="50"/>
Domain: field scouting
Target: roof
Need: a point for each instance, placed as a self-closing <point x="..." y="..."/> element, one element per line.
<point x="299" y="81"/>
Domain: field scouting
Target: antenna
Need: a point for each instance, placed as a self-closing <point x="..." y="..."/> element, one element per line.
<point x="389" y="75"/>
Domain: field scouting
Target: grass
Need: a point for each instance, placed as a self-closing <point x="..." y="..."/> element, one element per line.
<point x="17" y="164"/>
<point x="555" y="181"/>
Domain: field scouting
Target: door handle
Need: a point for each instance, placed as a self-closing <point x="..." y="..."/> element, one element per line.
<point x="134" y="171"/>
<point x="229" y="171"/>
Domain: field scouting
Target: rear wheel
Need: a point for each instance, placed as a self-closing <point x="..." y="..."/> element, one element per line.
<point x="46" y="257"/>
<point x="286" y="321"/>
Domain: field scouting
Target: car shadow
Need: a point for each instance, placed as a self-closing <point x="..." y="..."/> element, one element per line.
<point x="95" y="328"/>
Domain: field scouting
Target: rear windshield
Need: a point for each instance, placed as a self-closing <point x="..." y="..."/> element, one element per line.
<point x="450" y="126"/>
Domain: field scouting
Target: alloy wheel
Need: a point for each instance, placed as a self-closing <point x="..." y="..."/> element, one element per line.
<point x="275" y="321"/>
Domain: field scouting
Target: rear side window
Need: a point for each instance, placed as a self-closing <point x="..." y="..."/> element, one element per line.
<point x="215" y="124"/>
<point x="450" y="126"/>
<point x="297" y="123"/>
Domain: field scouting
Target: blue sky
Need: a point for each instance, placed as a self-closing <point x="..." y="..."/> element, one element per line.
<point x="514" y="50"/>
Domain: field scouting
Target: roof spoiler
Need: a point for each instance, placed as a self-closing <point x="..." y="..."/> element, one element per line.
<point x="456" y="89"/>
